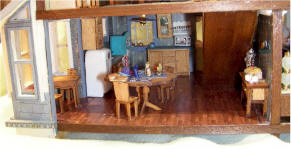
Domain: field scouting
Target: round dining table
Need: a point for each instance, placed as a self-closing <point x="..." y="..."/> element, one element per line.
<point x="142" y="88"/>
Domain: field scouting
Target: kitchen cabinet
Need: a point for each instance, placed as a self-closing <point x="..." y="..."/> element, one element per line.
<point x="178" y="59"/>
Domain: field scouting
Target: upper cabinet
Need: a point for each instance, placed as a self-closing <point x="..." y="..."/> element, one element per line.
<point x="92" y="33"/>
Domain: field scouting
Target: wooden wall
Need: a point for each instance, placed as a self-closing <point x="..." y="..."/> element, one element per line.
<point x="227" y="38"/>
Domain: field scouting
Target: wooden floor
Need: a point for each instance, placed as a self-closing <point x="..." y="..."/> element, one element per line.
<point x="194" y="106"/>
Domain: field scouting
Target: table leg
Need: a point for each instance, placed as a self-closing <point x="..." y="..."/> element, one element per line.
<point x="265" y="103"/>
<point x="248" y="107"/>
<point x="138" y="93"/>
<point x="68" y="92"/>
<point x="75" y="96"/>
<point x="77" y="93"/>
<point x="62" y="101"/>
<point x="146" y="91"/>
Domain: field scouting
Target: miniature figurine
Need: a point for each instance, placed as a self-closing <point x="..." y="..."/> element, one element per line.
<point x="250" y="58"/>
<point x="135" y="70"/>
<point x="159" y="69"/>
<point x="286" y="73"/>
<point x="125" y="69"/>
<point x="147" y="69"/>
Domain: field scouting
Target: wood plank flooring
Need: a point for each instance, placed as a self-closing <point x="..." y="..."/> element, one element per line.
<point x="194" y="105"/>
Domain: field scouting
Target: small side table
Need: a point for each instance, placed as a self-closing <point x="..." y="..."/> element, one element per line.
<point x="256" y="93"/>
<point x="68" y="82"/>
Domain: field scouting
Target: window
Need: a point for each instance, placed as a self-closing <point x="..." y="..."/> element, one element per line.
<point x="20" y="48"/>
<point x="141" y="34"/>
<point x="61" y="48"/>
<point x="22" y="61"/>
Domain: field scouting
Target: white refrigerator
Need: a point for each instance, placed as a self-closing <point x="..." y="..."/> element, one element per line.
<point x="98" y="66"/>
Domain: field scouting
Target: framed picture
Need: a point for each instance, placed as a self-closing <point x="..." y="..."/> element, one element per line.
<point x="164" y="22"/>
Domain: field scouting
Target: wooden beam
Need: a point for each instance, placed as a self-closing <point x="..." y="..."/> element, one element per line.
<point x="276" y="66"/>
<point x="196" y="129"/>
<point x="163" y="8"/>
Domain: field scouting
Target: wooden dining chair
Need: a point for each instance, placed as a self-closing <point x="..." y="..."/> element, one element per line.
<point x="121" y="91"/>
<point x="169" y="88"/>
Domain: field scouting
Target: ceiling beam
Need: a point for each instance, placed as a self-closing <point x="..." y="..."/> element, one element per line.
<point x="161" y="8"/>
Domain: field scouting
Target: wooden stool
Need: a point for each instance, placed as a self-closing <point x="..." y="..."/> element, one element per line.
<point x="60" y="98"/>
<point x="256" y="93"/>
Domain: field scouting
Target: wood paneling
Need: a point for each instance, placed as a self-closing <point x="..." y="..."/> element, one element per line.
<point x="227" y="38"/>
<point x="88" y="34"/>
<point x="164" y="8"/>
<point x="285" y="105"/>
<point x="276" y="66"/>
<point x="92" y="33"/>
<point x="193" y="111"/>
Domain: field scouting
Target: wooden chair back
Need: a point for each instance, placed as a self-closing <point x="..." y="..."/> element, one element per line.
<point x="121" y="91"/>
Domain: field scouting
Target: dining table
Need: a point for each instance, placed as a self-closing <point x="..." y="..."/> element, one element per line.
<point x="143" y="88"/>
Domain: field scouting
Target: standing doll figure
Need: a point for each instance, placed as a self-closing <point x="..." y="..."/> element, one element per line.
<point x="125" y="69"/>
<point x="159" y="69"/>
<point x="147" y="69"/>
<point x="250" y="58"/>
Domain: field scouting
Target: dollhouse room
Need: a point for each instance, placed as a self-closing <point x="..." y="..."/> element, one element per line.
<point x="201" y="72"/>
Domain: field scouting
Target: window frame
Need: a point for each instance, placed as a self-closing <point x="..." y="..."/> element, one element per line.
<point x="69" y="45"/>
<point x="133" y="31"/>
<point x="12" y="62"/>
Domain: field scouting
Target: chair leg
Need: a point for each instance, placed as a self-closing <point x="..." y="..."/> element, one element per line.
<point x="168" y="93"/>
<point x="128" y="111"/>
<point x="162" y="95"/>
<point x="172" y="93"/>
<point x="117" y="104"/>
<point x="136" y="108"/>
<point x="159" y="92"/>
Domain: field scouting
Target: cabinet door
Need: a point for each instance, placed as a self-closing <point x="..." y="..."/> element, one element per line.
<point x="182" y="61"/>
<point x="89" y="34"/>
<point x="169" y="61"/>
<point x="155" y="57"/>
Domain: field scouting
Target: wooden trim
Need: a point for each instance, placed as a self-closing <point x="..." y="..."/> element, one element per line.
<point x="165" y="8"/>
<point x="276" y="66"/>
<point x="196" y="129"/>
<point x="40" y="5"/>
